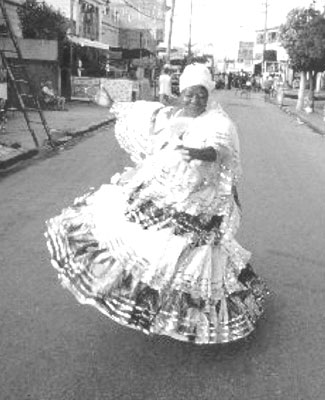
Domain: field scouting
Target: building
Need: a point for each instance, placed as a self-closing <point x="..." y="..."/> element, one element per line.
<point x="269" y="55"/>
<point x="91" y="19"/>
<point x="250" y="55"/>
<point x="110" y="29"/>
<point x="113" y="26"/>
<point x="107" y="38"/>
<point x="245" y="59"/>
<point x="142" y="23"/>
<point x="116" y="23"/>
<point x="139" y="24"/>
<point x="41" y="56"/>
<point x="11" y="7"/>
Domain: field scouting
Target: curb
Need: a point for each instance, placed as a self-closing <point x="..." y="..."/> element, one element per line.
<point x="91" y="127"/>
<point x="312" y="126"/>
<point x="20" y="157"/>
<point x="70" y="134"/>
<point x="302" y="118"/>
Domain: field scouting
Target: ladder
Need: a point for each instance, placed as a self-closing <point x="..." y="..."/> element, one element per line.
<point x="15" y="65"/>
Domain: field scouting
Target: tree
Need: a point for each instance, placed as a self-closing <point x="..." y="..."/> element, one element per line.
<point x="41" y="21"/>
<point x="303" y="37"/>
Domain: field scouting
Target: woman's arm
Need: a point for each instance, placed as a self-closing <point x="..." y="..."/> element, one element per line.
<point x="210" y="154"/>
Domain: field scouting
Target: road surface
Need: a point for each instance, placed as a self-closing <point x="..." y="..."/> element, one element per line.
<point x="53" y="348"/>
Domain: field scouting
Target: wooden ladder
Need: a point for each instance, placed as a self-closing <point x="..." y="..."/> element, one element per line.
<point x="15" y="65"/>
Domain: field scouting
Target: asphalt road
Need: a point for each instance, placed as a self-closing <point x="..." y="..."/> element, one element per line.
<point x="52" y="348"/>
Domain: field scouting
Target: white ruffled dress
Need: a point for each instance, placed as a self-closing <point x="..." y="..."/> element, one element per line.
<point x="155" y="249"/>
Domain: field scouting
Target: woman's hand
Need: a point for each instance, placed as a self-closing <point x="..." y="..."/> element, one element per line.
<point x="206" y="154"/>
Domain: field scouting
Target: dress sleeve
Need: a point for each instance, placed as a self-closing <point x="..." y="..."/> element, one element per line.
<point x="135" y="127"/>
<point x="222" y="134"/>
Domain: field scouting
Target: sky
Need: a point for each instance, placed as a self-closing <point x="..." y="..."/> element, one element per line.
<point x="219" y="25"/>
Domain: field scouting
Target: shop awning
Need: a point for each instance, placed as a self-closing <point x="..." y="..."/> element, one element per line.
<point x="136" y="53"/>
<point x="88" y="43"/>
<point x="115" y="53"/>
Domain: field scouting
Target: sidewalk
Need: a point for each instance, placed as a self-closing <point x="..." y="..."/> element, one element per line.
<point x="315" y="120"/>
<point x="16" y="142"/>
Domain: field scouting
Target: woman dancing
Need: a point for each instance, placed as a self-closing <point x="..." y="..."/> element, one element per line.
<point x="155" y="250"/>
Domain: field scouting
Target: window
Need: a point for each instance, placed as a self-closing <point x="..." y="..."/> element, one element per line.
<point x="89" y="21"/>
<point x="260" y="38"/>
<point x="272" y="37"/>
<point x="3" y="30"/>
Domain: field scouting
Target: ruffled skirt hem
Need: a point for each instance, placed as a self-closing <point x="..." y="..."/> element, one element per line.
<point x="160" y="285"/>
<point x="180" y="316"/>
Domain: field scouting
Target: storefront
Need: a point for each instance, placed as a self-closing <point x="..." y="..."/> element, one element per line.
<point x="120" y="72"/>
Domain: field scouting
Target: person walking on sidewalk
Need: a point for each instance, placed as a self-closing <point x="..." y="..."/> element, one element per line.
<point x="155" y="250"/>
<point x="165" y="86"/>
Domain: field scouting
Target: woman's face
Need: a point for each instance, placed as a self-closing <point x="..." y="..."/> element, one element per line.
<point x="195" y="99"/>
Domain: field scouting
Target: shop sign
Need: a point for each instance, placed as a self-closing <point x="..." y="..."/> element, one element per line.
<point x="84" y="88"/>
<point x="245" y="51"/>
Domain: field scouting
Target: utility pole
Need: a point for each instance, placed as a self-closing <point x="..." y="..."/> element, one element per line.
<point x="170" y="32"/>
<point x="265" y="36"/>
<point x="73" y="32"/>
<point x="71" y="9"/>
<point x="190" y="32"/>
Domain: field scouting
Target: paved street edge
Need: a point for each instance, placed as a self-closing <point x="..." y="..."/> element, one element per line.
<point x="69" y="135"/>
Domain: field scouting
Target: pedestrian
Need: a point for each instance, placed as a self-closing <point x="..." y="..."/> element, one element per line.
<point x="165" y="86"/>
<point x="230" y="78"/>
<point x="155" y="250"/>
<point x="226" y="80"/>
<point x="268" y="88"/>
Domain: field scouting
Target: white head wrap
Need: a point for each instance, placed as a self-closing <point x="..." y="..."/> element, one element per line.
<point x="196" y="74"/>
